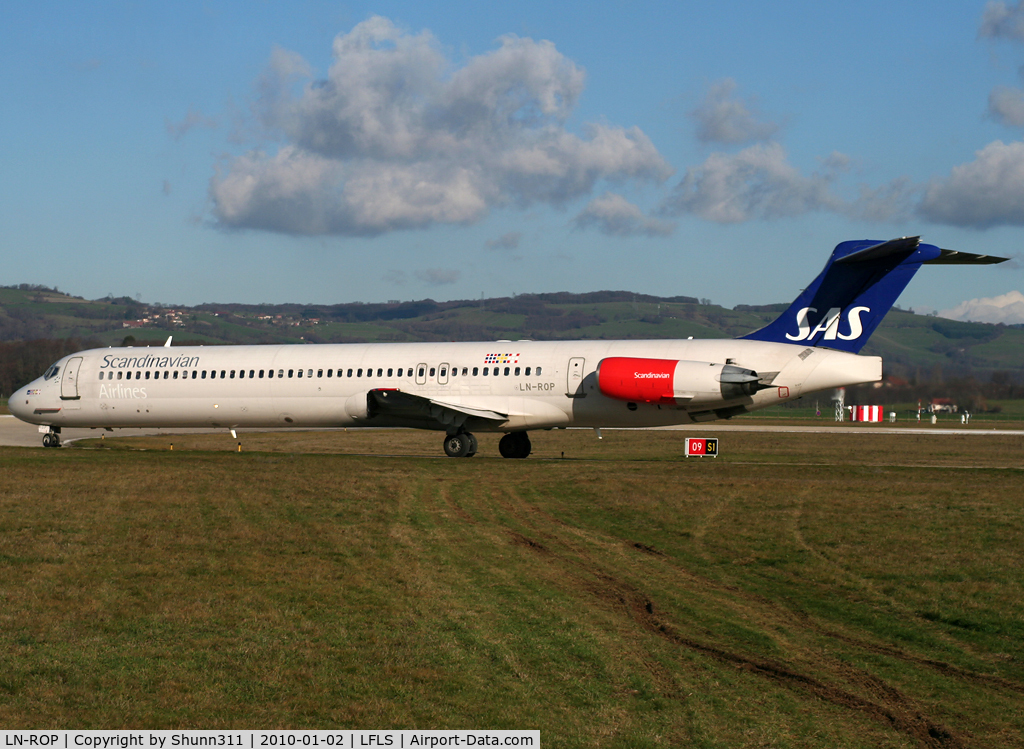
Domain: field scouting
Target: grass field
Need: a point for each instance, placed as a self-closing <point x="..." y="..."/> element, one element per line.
<point x="855" y="590"/>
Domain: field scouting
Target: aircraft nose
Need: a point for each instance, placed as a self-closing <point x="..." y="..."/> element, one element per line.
<point x="17" y="404"/>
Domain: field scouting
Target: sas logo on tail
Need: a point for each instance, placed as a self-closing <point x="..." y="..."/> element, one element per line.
<point x="829" y="325"/>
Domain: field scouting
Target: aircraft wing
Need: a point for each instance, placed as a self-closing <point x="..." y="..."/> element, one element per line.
<point x="395" y="403"/>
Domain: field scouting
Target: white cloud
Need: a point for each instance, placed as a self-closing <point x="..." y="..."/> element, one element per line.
<point x="1006" y="308"/>
<point x="891" y="203"/>
<point x="397" y="137"/>
<point x="757" y="182"/>
<point x="1006" y="106"/>
<point x="983" y="193"/>
<point x="1002" y="21"/>
<point x="193" y="119"/>
<point x="438" y="276"/>
<point x="723" y="119"/>
<point x="614" y="215"/>
<point x="508" y="241"/>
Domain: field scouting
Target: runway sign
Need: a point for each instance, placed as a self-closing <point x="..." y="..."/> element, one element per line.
<point x="702" y="447"/>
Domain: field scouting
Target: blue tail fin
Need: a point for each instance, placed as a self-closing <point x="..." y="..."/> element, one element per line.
<point x="861" y="281"/>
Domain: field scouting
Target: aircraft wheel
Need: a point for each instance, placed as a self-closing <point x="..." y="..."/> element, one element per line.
<point x="51" y="440"/>
<point x="457" y="446"/>
<point x="472" y="445"/>
<point x="515" y="445"/>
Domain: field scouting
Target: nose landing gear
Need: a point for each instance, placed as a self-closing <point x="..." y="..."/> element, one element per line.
<point x="52" y="438"/>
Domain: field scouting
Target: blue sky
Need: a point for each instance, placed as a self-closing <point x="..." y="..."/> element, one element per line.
<point x="332" y="152"/>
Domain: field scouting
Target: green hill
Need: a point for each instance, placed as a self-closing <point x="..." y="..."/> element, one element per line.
<point x="913" y="345"/>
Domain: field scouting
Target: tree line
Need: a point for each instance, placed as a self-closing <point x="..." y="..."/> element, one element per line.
<point x="23" y="361"/>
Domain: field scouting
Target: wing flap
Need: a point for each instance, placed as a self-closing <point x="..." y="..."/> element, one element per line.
<point x="402" y="405"/>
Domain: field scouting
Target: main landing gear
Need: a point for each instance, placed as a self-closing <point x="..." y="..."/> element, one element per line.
<point x="515" y="445"/>
<point x="51" y="439"/>
<point x="461" y="445"/>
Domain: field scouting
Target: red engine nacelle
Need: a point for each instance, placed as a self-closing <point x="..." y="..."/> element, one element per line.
<point x="673" y="381"/>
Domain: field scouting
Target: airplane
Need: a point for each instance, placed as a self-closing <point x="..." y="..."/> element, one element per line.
<point x="499" y="386"/>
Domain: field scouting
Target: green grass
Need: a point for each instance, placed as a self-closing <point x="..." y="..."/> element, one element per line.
<point x="852" y="590"/>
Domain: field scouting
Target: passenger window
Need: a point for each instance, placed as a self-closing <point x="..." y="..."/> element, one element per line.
<point x="119" y="375"/>
<point x="241" y="374"/>
<point x="101" y="374"/>
<point x="506" y="371"/>
<point x="330" y="372"/>
<point x="280" y="373"/>
<point x="517" y="372"/>
<point x="390" y="370"/>
<point x="380" y="371"/>
<point x="127" y="375"/>
<point x="204" y="374"/>
<point x="421" y="371"/>
<point x="538" y="371"/>
<point x="261" y="373"/>
<point x="252" y="373"/>
<point x="497" y="371"/>
<point x="300" y="373"/>
<point x="487" y="371"/>
<point x="291" y="372"/>
<point x="195" y="373"/>
<point x="349" y="373"/>
<point x="359" y="372"/>
<point x="432" y="370"/>
<point x="465" y="371"/>
<point x="444" y="372"/>
<point x="475" y="370"/>
<point x="527" y="372"/>
<point x="167" y="374"/>
<point x="232" y="374"/>
<point x="319" y="372"/>
<point x="309" y="373"/>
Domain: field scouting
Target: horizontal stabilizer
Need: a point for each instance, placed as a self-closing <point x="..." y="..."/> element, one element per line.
<point x="952" y="257"/>
<point x="901" y="246"/>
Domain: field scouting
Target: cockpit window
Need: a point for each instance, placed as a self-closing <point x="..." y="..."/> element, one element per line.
<point x="51" y="372"/>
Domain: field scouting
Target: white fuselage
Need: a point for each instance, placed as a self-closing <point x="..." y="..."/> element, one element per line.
<point x="535" y="384"/>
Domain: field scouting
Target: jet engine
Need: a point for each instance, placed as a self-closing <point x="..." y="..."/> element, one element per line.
<point x="669" y="381"/>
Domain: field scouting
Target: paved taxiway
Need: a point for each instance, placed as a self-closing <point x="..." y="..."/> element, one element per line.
<point x="15" y="433"/>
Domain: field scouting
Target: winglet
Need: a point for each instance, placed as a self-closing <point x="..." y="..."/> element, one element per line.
<point x="167" y="343"/>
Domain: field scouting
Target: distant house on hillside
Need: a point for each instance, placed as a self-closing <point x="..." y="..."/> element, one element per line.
<point x="942" y="406"/>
